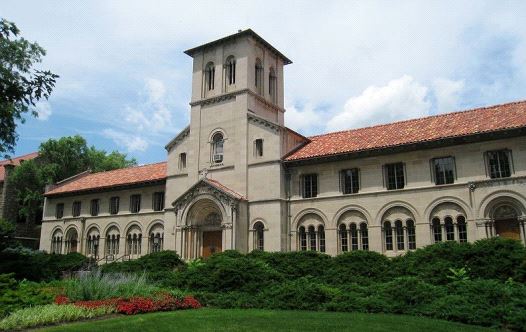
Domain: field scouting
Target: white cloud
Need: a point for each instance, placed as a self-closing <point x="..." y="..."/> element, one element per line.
<point x="152" y="115"/>
<point x="400" y="99"/>
<point x="304" y="119"/>
<point x="131" y="142"/>
<point x="447" y="94"/>
<point x="43" y="109"/>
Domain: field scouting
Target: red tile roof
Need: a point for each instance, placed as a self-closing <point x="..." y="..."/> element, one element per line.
<point x="15" y="161"/>
<point x="224" y="188"/>
<point x="103" y="180"/>
<point x="432" y="128"/>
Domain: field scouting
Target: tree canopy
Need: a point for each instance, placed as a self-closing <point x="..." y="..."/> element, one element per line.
<point x="59" y="160"/>
<point x="21" y="85"/>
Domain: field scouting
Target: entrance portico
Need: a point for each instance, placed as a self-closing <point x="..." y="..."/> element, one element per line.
<point x="207" y="218"/>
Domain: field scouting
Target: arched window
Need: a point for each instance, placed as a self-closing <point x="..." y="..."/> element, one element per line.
<point x="56" y="242"/>
<point x="462" y="230"/>
<point x="92" y="243"/>
<point x="217" y="148"/>
<point x="365" y="236"/>
<point x="399" y="229"/>
<point x="321" y="238"/>
<point x="71" y="241"/>
<point x="210" y="76"/>
<point x="259" y="76"/>
<point x="302" y="238"/>
<point x="437" y="230"/>
<point x="388" y="233"/>
<point x="354" y="237"/>
<point x="312" y="238"/>
<point x="272" y="85"/>
<point x="344" y="245"/>
<point x="112" y="241"/>
<point x="259" y="240"/>
<point x="411" y="234"/>
<point x="450" y="229"/>
<point x="230" y="67"/>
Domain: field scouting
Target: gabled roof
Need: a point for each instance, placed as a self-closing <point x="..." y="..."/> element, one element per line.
<point x="208" y="183"/>
<point x="136" y="175"/>
<point x="15" y="162"/>
<point x="247" y="32"/>
<point x="490" y="119"/>
<point x="218" y="185"/>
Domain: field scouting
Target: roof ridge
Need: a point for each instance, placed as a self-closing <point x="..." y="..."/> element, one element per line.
<point x="19" y="157"/>
<point x="129" y="167"/>
<point x="421" y="118"/>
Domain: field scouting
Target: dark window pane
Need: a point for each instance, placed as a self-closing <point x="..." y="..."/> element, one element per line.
<point x="350" y="181"/>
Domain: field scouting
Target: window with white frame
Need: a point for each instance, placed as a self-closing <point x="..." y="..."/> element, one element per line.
<point x="135" y="203"/>
<point x="95" y="207"/>
<point x="230" y="67"/>
<point x="59" y="211"/>
<point x="217" y="148"/>
<point x="158" y="201"/>
<point x="75" y="209"/>
<point x="309" y="185"/>
<point x="388" y="235"/>
<point x="258" y="148"/>
<point x="258" y="76"/>
<point x="259" y="236"/>
<point x="302" y="238"/>
<point x="114" y="205"/>
<point x="394" y="176"/>
<point x="443" y="170"/>
<point x="210" y="71"/>
<point x="182" y="160"/>
<point x="272" y="85"/>
<point x="499" y="163"/>
<point x="350" y="181"/>
<point x="449" y="228"/>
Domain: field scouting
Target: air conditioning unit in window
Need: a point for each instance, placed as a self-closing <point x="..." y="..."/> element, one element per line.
<point x="218" y="158"/>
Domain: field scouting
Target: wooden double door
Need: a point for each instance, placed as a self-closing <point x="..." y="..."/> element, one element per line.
<point x="212" y="243"/>
<point x="508" y="228"/>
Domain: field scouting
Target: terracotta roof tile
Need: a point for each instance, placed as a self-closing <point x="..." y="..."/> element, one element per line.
<point x="109" y="179"/>
<point x="224" y="188"/>
<point x="465" y="123"/>
<point x="15" y="161"/>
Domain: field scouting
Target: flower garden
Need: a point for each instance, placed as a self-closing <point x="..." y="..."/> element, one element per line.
<point x="481" y="283"/>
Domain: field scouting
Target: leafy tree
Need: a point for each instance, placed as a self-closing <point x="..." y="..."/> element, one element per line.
<point x="7" y="230"/>
<point x="21" y="85"/>
<point x="58" y="160"/>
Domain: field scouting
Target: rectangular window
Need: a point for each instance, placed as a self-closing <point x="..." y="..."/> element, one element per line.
<point x="182" y="160"/>
<point x="310" y="185"/>
<point x="444" y="170"/>
<point x="75" y="210"/>
<point x="350" y="181"/>
<point x="135" y="203"/>
<point x="59" y="211"/>
<point x="258" y="148"/>
<point x="395" y="177"/>
<point x="499" y="165"/>
<point x="94" y="207"/>
<point x="114" y="205"/>
<point x="158" y="201"/>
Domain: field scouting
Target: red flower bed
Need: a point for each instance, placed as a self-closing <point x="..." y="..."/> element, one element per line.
<point x="136" y="305"/>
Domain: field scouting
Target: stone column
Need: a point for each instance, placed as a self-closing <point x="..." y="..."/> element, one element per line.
<point x="331" y="241"/>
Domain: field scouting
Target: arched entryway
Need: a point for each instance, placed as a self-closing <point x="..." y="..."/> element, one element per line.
<point x="506" y="222"/>
<point x="204" y="234"/>
<point x="71" y="241"/>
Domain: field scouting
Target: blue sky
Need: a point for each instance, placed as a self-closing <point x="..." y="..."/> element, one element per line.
<point x="125" y="82"/>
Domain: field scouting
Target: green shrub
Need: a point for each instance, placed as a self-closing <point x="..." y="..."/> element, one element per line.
<point x="296" y="264"/>
<point x="305" y="293"/>
<point x="358" y="267"/>
<point x="225" y="272"/>
<point x="432" y="263"/>
<point x="158" y="265"/>
<point x="49" y="314"/>
<point x="97" y="286"/>
<point x="15" y="295"/>
<point x="497" y="258"/>
<point x="37" y="265"/>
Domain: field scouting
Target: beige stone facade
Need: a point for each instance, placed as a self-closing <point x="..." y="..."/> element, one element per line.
<point x="229" y="185"/>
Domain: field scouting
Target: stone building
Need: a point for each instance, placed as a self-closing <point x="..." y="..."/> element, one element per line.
<point x="26" y="231"/>
<point x="238" y="178"/>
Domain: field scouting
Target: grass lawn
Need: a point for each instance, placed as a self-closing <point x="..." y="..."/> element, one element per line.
<point x="264" y="320"/>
